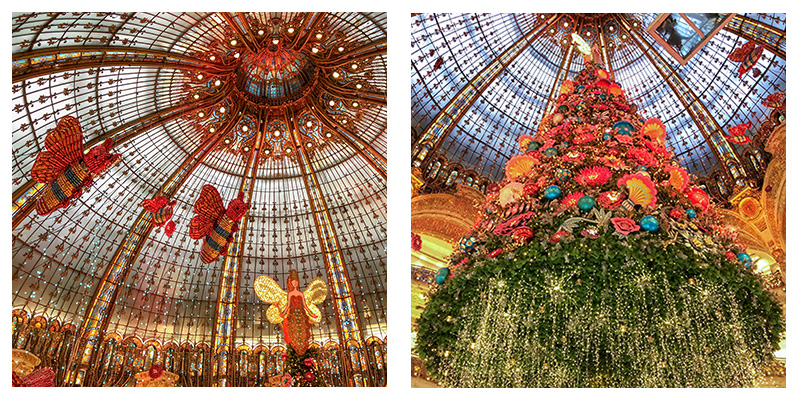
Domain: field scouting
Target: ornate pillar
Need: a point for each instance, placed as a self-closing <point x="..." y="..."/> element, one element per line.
<point x="347" y="322"/>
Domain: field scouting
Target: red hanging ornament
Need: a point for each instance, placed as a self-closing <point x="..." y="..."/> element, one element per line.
<point x="155" y="371"/>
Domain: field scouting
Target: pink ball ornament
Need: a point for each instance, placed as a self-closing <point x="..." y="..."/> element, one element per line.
<point x="698" y="197"/>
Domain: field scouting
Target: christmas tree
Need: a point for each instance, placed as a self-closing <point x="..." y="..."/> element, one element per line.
<point x="596" y="263"/>
<point x="301" y="369"/>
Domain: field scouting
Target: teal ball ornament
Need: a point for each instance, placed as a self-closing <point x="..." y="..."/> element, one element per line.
<point x="579" y="89"/>
<point x="691" y="213"/>
<point x="745" y="259"/>
<point x="563" y="174"/>
<point x="533" y="146"/>
<point x="580" y="106"/>
<point x="550" y="152"/>
<point x="606" y="136"/>
<point x="467" y="243"/>
<point x="624" y="127"/>
<point x="552" y="192"/>
<point x="440" y="279"/>
<point x="649" y="223"/>
<point x="444" y="271"/>
<point x="601" y="96"/>
<point x="563" y="109"/>
<point x="586" y="203"/>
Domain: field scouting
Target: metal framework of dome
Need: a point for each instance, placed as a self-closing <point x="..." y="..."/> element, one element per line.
<point x="287" y="108"/>
<point x="480" y="80"/>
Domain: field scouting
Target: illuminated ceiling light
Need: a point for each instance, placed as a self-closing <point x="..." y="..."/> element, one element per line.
<point x="314" y="50"/>
<point x="212" y="58"/>
<point x="212" y="129"/>
<point x="335" y="74"/>
<point x="319" y="36"/>
<point x="217" y="82"/>
<point x="566" y="24"/>
<point x="196" y="96"/>
<point x="234" y="42"/>
<point x="201" y="114"/>
<point x="588" y="33"/>
<point x="309" y="124"/>
<point x="275" y="41"/>
<point x="355" y="104"/>
<point x="260" y="31"/>
<point x="290" y="30"/>
<point x="222" y="110"/>
<point x="358" y="86"/>
<point x="611" y="28"/>
<point x="288" y="150"/>
<point x="236" y="55"/>
<point x="344" y="120"/>
<point x="245" y="128"/>
<point x="246" y="148"/>
<point x="227" y="140"/>
<point x="277" y="133"/>
<point x="200" y="76"/>
<point x="354" y="66"/>
<point x="331" y="103"/>
<point x="267" y="151"/>
<point x="341" y="48"/>
<point x="309" y="144"/>
<point x="328" y="134"/>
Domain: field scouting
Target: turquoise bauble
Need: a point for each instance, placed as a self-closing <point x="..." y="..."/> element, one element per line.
<point x="467" y="243"/>
<point x="581" y="106"/>
<point x="563" y="109"/>
<point x="552" y="192"/>
<point x="601" y="96"/>
<point x="562" y="174"/>
<point x="745" y="259"/>
<point x="534" y="145"/>
<point x="606" y="136"/>
<point x="624" y="127"/>
<point x="649" y="223"/>
<point x="550" y="152"/>
<point x="444" y="271"/>
<point x="440" y="279"/>
<point x="586" y="203"/>
<point x="691" y="213"/>
<point x="580" y="89"/>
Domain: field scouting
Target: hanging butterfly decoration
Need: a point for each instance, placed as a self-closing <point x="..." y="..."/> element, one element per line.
<point x="162" y="210"/>
<point x="748" y="55"/>
<point x="775" y="101"/>
<point x="294" y="310"/>
<point x="215" y="223"/>
<point x="65" y="168"/>
<point x="736" y="134"/>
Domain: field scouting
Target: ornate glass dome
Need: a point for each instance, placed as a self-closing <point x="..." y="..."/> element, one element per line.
<point x="480" y="80"/>
<point x="287" y="108"/>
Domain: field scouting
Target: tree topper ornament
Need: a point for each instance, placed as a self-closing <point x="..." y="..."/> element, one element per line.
<point x="293" y="309"/>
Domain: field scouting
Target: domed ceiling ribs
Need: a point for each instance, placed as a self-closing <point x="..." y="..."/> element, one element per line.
<point x="448" y="117"/>
<point x="228" y="294"/>
<point x="485" y="129"/>
<point x="175" y="93"/>
<point x="103" y="302"/>
<point x="53" y="60"/>
<point x="706" y="122"/>
<point x="347" y="321"/>
<point x="772" y="38"/>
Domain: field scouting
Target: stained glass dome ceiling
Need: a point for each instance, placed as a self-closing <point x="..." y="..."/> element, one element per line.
<point x="480" y="80"/>
<point x="287" y="107"/>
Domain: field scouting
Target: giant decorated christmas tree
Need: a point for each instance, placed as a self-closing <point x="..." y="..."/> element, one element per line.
<point x="596" y="263"/>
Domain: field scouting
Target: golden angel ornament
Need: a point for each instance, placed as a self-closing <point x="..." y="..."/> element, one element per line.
<point x="293" y="309"/>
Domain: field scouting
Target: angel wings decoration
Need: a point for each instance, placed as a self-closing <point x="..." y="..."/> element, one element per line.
<point x="293" y="309"/>
<point x="215" y="223"/>
<point x="65" y="168"/>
